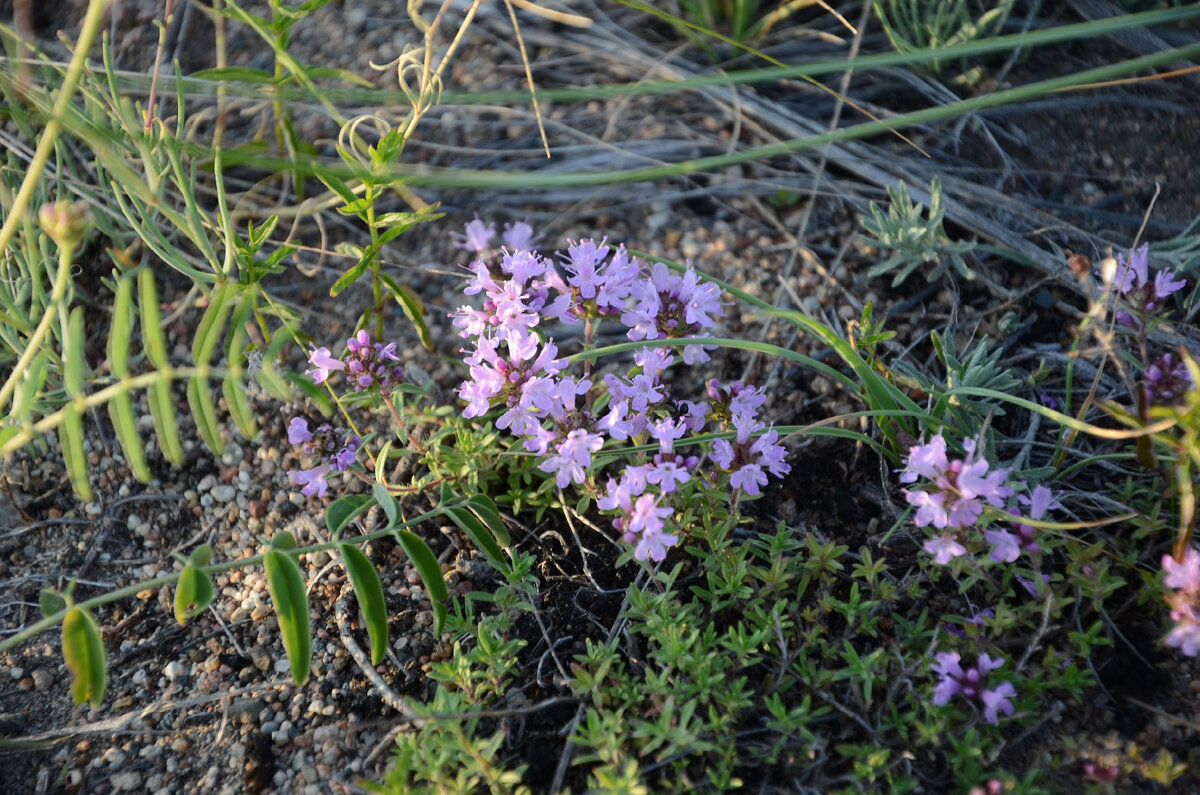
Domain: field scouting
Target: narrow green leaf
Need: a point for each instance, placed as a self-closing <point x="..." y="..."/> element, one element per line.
<point x="391" y="507"/>
<point x="334" y="183"/>
<point x="70" y="436"/>
<point x="193" y="593"/>
<point x="235" y="74"/>
<point x="482" y="506"/>
<point x="152" y="334"/>
<point x="342" y="510"/>
<point x="239" y="406"/>
<point x="162" y="409"/>
<point x="50" y="602"/>
<point x="286" y="585"/>
<point x="425" y="562"/>
<point x="269" y="379"/>
<point x="205" y="413"/>
<point x="83" y="652"/>
<point x="412" y="307"/>
<point x="212" y="322"/>
<point x="350" y="277"/>
<point x="162" y="404"/>
<point x="75" y="362"/>
<point x="369" y="591"/>
<point x="478" y="533"/>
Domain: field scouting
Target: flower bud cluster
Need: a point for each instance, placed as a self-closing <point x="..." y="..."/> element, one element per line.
<point x="335" y="450"/>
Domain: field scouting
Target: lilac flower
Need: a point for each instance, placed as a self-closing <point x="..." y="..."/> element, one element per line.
<point x="955" y="495"/>
<point x="969" y="683"/>
<point x="313" y="480"/>
<point x="670" y="306"/>
<point x="1184" y="577"/>
<point x="646" y="521"/>
<point x="519" y="236"/>
<point x="745" y="460"/>
<point x="298" y="432"/>
<point x="1007" y="546"/>
<point x="336" y="451"/>
<point x="1167" y="380"/>
<point x="323" y="364"/>
<point x="574" y="457"/>
<point x="478" y="237"/>
<point x="1133" y="281"/>
<point x="944" y="549"/>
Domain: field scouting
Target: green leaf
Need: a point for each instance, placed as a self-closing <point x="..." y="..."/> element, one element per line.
<point x="326" y="72"/>
<point x="233" y="74"/>
<point x="482" y="506"/>
<point x="70" y="435"/>
<point x="83" y="651"/>
<point x="162" y="405"/>
<point x="121" y="329"/>
<point x="342" y="510"/>
<point x="284" y="542"/>
<point x="286" y="585"/>
<point x="478" y="533"/>
<point x="193" y="593"/>
<point x="50" y="602"/>
<point x="351" y="276"/>
<point x="212" y="322"/>
<point x="239" y="406"/>
<point x="205" y="413"/>
<point x="369" y="591"/>
<point x="201" y="556"/>
<point x="75" y="362"/>
<point x="427" y="566"/>
<point x="312" y="391"/>
<point x="412" y="307"/>
<point x="390" y="506"/>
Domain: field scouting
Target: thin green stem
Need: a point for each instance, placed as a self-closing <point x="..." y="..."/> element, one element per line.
<point x="87" y="36"/>
<point x="62" y="279"/>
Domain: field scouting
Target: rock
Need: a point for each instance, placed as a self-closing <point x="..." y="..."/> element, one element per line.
<point x="246" y="710"/>
<point x="42" y="680"/>
<point x="129" y="781"/>
<point x="223" y="494"/>
<point x="174" y="670"/>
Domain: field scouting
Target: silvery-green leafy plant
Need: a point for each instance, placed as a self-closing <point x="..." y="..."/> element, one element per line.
<point x="916" y="241"/>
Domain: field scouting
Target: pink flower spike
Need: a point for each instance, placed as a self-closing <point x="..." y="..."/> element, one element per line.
<point x="927" y="461"/>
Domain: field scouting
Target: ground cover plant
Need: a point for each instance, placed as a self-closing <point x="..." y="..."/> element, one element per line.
<point x="820" y="458"/>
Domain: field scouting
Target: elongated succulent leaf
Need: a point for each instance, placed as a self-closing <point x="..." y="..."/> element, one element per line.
<point x="286" y="584"/>
<point x="369" y="591"/>
<point x="342" y="510"/>
<point x="427" y="566"/>
<point x="193" y="593"/>
<point x="83" y="651"/>
<point x="480" y="534"/>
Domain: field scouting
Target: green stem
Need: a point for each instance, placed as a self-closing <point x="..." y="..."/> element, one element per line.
<point x="33" y="175"/>
<point x="52" y="421"/>
<point x="62" y="280"/>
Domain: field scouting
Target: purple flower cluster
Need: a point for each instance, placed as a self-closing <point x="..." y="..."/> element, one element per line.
<point x="951" y="499"/>
<point x="366" y="364"/>
<point x="335" y="450"/>
<point x="970" y="683"/>
<point x="1167" y="380"/>
<point x="514" y="367"/>
<point x="1132" y="280"/>
<point x="1184" y="578"/>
